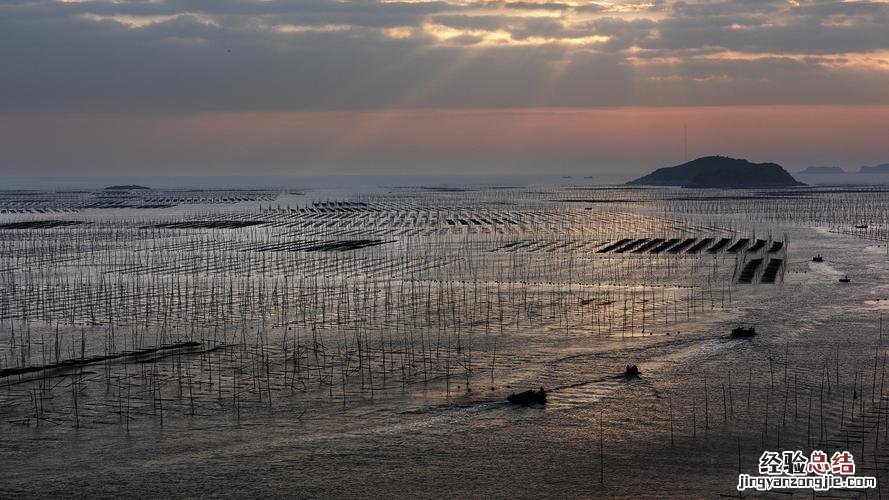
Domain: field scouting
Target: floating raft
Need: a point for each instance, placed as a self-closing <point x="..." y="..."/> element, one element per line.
<point x="676" y="246"/>
<point x="615" y="245"/>
<point x="700" y="245"/>
<point x="41" y="224"/>
<point x="757" y="246"/>
<point x="682" y="246"/>
<point x="648" y="245"/>
<point x="631" y="245"/>
<point x="665" y="245"/>
<point x="776" y="246"/>
<point x="69" y="363"/>
<point x="749" y="271"/>
<point x="739" y="245"/>
<point x="771" y="271"/>
<point x="719" y="245"/>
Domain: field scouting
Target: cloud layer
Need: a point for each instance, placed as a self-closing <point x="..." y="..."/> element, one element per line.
<point x="181" y="56"/>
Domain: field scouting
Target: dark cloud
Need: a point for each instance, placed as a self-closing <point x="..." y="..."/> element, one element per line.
<point x="540" y="6"/>
<point x="181" y="56"/>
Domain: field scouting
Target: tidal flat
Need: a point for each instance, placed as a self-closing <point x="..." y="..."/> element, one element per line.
<point x="353" y="342"/>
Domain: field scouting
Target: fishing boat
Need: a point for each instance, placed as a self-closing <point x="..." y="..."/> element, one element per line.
<point x="845" y="279"/>
<point x="817" y="258"/>
<point x="631" y="371"/>
<point x="743" y="332"/>
<point x="528" y="398"/>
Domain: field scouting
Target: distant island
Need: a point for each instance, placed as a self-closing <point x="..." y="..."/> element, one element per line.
<point x="823" y="170"/>
<point x="125" y="187"/>
<point x="720" y="172"/>
<point x="876" y="169"/>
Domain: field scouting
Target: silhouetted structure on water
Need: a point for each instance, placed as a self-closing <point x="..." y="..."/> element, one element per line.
<point x="743" y="332"/>
<point x="526" y="398"/>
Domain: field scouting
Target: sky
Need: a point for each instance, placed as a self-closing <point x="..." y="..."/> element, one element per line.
<point x="234" y="87"/>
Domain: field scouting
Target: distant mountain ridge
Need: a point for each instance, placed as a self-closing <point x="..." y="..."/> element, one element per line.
<point x="823" y="170"/>
<point x="876" y="169"/>
<point x="720" y="172"/>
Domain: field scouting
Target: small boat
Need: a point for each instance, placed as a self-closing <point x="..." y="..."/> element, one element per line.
<point x="743" y="332"/>
<point x="818" y="258"/>
<point x="528" y="398"/>
<point x="860" y="226"/>
<point x="631" y="371"/>
<point x="845" y="279"/>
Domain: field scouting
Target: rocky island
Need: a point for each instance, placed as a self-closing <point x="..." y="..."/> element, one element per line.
<point x="720" y="172"/>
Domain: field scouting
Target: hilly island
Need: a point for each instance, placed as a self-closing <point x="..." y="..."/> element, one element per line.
<point x="823" y="170"/>
<point x="720" y="172"/>
<point x="876" y="169"/>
